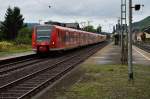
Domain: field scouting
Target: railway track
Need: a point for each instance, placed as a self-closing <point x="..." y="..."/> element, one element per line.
<point x="16" y="60"/>
<point x="143" y="46"/>
<point x="27" y="86"/>
<point x="15" y="66"/>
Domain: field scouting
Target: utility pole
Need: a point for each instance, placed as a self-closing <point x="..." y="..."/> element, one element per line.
<point x="99" y="28"/>
<point x="40" y="21"/>
<point x="130" y="67"/>
<point x="88" y="24"/>
<point x="121" y="42"/>
<point x="119" y="31"/>
<point x="83" y="24"/>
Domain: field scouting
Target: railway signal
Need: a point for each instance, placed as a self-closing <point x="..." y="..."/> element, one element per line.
<point x="137" y="7"/>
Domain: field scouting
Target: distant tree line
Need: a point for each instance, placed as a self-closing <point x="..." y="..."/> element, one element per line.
<point x="91" y="28"/>
<point x="13" y="27"/>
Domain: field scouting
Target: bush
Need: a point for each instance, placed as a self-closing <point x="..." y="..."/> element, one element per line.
<point x="23" y="40"/>
<point x="1" y="35"/>
<point x="24" y="36"/>
<point x="4" y="45"/>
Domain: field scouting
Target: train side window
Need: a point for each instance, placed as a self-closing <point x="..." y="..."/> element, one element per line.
<point x="70" y="37"/>
<point x="63" y="36"/>
<point x="67" y="37"/>
<point x="59" y="36"/>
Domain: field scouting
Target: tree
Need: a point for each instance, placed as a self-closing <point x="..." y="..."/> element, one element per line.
<point x="12" y="24"/>
<point x="89" y="28"/>
<point x="24" y="36"/>
<point x="99" y="29"/>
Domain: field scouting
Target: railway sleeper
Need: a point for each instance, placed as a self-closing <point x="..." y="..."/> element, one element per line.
<point x="22" y="88"/>
<point x="34" y="81"/>
<point x="39" y="79"/>
<point x="8" y="98"/>
<point x="10" y="95"/>
<point x="27" y="85"/>
<point x="16" y="91"/>
<point x="48" y="74"/>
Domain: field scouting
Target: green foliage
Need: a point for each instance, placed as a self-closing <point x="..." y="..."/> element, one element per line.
<point x="24" y="36"/>
<point x="110" y="82"/>
<point x="10" y="47"/>
<point x="4" y="45"/>
<point x="12" y="24"/>
<point x="141" y="25"/>
<point x="25" y="31"/>
<point x="99" y="29"/>
<point x="89" y="28"/>
<point x="1" y="35"/>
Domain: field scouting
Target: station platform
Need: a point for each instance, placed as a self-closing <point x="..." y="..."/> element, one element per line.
<point x="111" y="54"/>
<point x="8" y="56"/>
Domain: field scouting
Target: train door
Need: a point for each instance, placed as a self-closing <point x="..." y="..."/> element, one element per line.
<point x="76" y="35"/>
<point x="79" y="39"/>
<point x="74" y="38"/>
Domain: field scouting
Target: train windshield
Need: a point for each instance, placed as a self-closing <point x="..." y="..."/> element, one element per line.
<point x="43" y="33"/>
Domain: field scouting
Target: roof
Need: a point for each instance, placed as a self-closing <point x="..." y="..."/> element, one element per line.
<point x="147" y="29"/>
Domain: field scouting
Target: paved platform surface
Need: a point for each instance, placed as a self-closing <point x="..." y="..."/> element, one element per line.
<point x="111" y="55"/>
<point x="140" y="56"/>
<point x="16" y="55"/>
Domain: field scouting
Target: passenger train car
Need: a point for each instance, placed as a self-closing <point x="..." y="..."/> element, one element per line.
<point x="47" y="38"/>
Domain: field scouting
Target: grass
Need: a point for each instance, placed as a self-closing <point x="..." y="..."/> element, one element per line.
<point x="110" y="82"/>
<point x="7" y="48"/>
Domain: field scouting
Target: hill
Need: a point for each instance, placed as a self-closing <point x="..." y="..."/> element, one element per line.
<point x="142" y="24"/>
<point x="31" y="25"/>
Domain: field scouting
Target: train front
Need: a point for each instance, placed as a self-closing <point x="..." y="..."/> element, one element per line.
<point x="41" y="38"/>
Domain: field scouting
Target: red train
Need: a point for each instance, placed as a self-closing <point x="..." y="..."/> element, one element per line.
<point x="47" y="38"/>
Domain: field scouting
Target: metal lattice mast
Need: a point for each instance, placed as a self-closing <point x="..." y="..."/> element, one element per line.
<point x="123" y="31"/>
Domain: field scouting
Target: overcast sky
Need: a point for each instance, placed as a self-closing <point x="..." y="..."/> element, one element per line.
<point x="103" y="12"/>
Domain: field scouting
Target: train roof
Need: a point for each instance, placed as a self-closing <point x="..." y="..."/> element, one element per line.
<point x="69" y="29"/>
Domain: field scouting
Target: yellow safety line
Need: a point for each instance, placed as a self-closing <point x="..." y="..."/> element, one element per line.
<point x="142" y="54"/>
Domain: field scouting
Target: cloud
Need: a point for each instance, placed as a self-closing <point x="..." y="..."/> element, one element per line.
<point x="72" y="10"/>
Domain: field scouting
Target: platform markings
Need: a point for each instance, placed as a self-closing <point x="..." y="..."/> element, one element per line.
<point x="142" y="54"/>
<point x="98" y="57"/>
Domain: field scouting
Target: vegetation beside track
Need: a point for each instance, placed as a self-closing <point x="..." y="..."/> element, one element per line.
<point x="110" y="82"/>
<point x="9" y="47"/>
<point x="15" y="36"/>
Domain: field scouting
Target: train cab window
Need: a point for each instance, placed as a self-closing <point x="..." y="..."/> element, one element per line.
<point x="43" y="33"/>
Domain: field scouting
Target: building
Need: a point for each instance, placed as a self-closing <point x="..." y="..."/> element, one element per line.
<point x="137" y="36"/>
